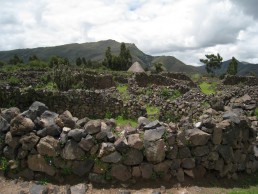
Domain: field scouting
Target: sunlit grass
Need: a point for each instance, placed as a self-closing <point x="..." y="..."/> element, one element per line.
<point x="208" y="88"/>
<point x="120" y="120"/>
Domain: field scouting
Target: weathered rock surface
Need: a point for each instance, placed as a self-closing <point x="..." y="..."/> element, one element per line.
<point x="48" y="146"/>
<point x="72" y="151"/>
<point x="21" y="125"/>
<point x="38" y="163"/>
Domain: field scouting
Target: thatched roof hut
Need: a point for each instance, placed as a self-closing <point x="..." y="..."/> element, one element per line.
<point x="136" y="68"/>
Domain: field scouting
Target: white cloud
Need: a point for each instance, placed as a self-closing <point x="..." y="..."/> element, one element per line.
<point x="186" y="29"/>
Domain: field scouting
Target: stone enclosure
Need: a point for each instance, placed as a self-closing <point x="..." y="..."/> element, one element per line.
<point x="66" y="134"/>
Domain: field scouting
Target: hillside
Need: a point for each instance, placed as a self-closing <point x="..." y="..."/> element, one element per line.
<point x="244" y="68"/>
<point x="96" y="52"/>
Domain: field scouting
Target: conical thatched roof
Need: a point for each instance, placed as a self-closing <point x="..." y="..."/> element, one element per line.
<point x="136" y="67"/>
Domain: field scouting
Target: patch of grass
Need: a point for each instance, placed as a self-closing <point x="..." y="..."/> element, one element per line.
<point x="13" y="80"/>
<point x="43" y="181"/>
<point x="66" y="171"/>
<point x="122" y="88"/>
<point x="169" y="93"/>
<point x="152" y="110"/>
<point x="208" y="88"/>
<point x="3" y="164"/>
<point x="120" y="120"/>
<point x="51" y="86"/>
<point x="256" y="112"/>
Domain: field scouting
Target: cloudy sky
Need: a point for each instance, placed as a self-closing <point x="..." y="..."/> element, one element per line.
<point x="186" y="29"/>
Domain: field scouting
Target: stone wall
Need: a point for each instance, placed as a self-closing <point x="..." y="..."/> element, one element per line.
<point x="234" y="80"/>
<point x="90" y="103"/>
<point x="39" y="141"/>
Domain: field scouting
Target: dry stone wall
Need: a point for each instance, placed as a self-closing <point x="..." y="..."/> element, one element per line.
<point x="40" y="141"/>
<point x="90" y="103"/>
<point x="246" y="80"/>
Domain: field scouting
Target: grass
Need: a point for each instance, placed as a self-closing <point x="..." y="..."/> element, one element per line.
<point x="3" y="164"/>
<point x="208" y="88"/>
<point x="256" y="112"/>
<point x="153" y="112"/>
<point x="120" y="120"/>
<point x="122" y="88"/>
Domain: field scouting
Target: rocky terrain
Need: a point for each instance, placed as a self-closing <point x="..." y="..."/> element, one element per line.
<point x="70" y="136"/>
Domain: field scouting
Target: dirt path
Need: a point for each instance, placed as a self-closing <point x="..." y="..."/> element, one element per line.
<point x="208" y="185"/>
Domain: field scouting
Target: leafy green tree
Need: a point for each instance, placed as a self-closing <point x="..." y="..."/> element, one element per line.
<point x="125" y="57"/>
<point x="2" y="63"/>
<point x="33" y="58"/>
<point x="108" y="58"/>
<point x="212" y="62"/>
<point x="78" y="61"/>
<point x="158" y="67"/>
<point x="84" y="61"/>
<point x="57" y="61"/>
<point x="15" y="60"/>
<point x="232" y="67"/>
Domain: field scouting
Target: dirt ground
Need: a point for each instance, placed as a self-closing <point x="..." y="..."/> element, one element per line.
<point x="207" y="185"/>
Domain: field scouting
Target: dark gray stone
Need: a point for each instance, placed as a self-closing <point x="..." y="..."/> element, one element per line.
<point x="4" y="125"/>
<point x="172" y="153"/>
<point x="81" y="168"/>
<point x="93" y="126"/>
<point x="97" y="178"/>
<point x="72" y="151"/>
<point x="113" y="157"/>
<point x="29" y="141"/>
<point x="79" y="189"/>
<point x="154" y="134"/>
<point x="147" y="170"/>
<point x="155" y="151"/>
<point x="76" y="134"/>
<point x="21" y="125"/>
<point x="197" y="137"/>
<point x="133" y="157"/>
<point x="38" y="189"/>
<point x="121" y="144"/>
<point x="67" y="120"/>
<point x="188" y="163"/>
<point x="201" y="151"/>
<point x="9" y="114"/>
<point x="152" y="125"/>
<point x="47" y="121"/>
<point x="87" y="143"/>
<point x="111" y="137"/>
<point x="121" y="172"/>
<point x="48" y="146"/>
<point x="35" y="110"/>
<point x="184" y="152"/>
<point x="226" y="152"/>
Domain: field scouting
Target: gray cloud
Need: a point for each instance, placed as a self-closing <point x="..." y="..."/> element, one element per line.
<point x="249" y="7"/>
<point x="186" y="29"/>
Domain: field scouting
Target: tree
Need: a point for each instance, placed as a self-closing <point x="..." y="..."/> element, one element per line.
<point x="57" y="61"/>
<point x="33" y="58"/>
<point x="232" y="67"/>
<point x="108" y="58"/>
<point x="78" y="61"/>
<point x="212" y="62"/>
<point x="15" y="60"/>
<point x="125" y="57"/>
<point x="158" y="67"/>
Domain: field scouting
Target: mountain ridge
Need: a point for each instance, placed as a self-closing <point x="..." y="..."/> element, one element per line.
<point x="96" y="51"/>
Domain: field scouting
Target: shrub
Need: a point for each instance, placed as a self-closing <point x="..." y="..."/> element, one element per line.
<point x="13" y="80"/>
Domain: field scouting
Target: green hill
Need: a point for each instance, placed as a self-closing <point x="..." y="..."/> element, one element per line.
<point x="96" y="52"/>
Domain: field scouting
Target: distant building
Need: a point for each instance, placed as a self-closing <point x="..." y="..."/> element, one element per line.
<point x="136" y="68"/>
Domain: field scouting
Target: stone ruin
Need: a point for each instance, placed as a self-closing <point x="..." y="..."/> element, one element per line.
<point x="66" y="133"/>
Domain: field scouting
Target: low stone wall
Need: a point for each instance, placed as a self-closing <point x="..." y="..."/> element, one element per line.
<point x="40" y="141"/>
<point x="90" y="103"/>
<point x="234" y="80"/>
